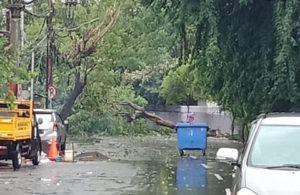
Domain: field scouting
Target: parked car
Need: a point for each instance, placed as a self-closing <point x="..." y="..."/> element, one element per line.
<point x="51" y="125"/>
<point x="270" y="162"/>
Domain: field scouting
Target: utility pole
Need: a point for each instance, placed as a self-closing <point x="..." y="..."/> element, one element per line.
<point x="50" y="49"/>
<point x="32" y="70"/>
<point x="14" y="32"/>
<point x="15" y="8"/>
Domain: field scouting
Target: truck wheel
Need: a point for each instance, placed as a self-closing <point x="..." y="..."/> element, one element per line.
<point x="17" y="158"/>
<point x="37" y="157"/>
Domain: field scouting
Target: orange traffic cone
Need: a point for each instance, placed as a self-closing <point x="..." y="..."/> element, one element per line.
<point x="53" y="150"/>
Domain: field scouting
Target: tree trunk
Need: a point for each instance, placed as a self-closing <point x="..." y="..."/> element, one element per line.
<point x="232" y="125"/>
<point x="77" y="90"/>
<point x="247" y="132"/>
<point x="141" y="112"/>
<point x="243" y="132"/>
<point x="83" y="48"/>
<point x="183" y="55"/>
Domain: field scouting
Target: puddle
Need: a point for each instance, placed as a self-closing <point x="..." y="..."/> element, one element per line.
<point x="182" y="176"/>
<point x="191" y="175"/>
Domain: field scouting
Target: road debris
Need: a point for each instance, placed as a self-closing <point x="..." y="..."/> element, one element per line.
<point x="91" y="156"/>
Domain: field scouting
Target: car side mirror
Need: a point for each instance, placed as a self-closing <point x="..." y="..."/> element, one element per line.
<point x="228" y="155"/>
<point x="66" y="122"/>
<point x="40" y="121"/>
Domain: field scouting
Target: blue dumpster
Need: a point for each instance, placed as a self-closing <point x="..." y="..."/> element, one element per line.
<point x="191" y="136"/>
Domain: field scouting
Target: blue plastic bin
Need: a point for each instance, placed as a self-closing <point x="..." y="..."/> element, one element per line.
<point x="191" y="136"/>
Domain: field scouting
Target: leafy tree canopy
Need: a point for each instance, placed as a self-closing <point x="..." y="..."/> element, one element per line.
<point x="245" y="53"/>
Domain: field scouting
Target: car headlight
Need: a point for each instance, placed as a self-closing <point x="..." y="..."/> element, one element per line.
<point x="245" y="191"/>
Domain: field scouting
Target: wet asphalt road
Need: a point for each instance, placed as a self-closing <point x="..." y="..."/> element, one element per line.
<point x="137" y="165"/>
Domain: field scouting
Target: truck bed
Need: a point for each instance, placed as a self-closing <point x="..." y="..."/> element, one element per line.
<point x="13" y="129"/>
<point x="15" y="121"/>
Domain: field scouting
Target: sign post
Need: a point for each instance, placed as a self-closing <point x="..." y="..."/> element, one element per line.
<point x="52" y="93"/>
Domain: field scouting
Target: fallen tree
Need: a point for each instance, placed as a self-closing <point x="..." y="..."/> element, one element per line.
<point x="141" y="112"/>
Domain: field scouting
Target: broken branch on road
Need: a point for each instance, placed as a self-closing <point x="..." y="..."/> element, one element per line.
<point x="141" y="112"/>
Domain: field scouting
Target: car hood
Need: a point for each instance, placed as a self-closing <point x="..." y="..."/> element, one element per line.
<point x="273" y="181"/>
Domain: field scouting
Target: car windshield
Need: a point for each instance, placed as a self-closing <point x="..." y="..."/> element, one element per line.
<point x="45" y="116"/>
<point x="276" y="146"/>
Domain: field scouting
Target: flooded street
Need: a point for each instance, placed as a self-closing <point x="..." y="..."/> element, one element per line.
<point x="136" y="165"/>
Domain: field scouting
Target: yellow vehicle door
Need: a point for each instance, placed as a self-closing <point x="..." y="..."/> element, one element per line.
<point x="7" y="125"/>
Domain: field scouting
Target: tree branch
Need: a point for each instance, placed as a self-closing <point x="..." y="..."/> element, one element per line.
<point x="88" y="71"/>
<point x="88" y="43"/>
<point x="141" y="112"/>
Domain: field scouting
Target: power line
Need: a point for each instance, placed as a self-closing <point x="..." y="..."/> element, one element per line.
<point x="44" y="15"/>
<point x="77" y="27"/>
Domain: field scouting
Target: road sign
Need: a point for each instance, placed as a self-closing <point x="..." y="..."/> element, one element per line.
<point x="52" y="92"/>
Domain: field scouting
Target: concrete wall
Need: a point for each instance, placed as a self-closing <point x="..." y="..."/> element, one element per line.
<point x="210" y="114"/>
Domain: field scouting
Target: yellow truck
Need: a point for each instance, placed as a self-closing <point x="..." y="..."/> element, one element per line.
<point x="19" y="136"/>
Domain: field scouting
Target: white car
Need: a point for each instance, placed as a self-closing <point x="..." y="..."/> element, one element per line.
<point x="270" y="162"/>
<point x="51" y="126"/>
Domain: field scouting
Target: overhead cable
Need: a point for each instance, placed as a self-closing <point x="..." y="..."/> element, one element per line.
<point x="36" y="15"/>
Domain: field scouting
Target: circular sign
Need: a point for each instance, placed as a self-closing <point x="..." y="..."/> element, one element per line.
<point x="52" y="92"/>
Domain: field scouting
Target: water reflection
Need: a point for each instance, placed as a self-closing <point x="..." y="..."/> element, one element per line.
<point x="191" y="176"/>
<point x="181" y="176"/>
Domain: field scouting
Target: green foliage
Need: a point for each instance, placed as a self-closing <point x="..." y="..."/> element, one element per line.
<point x="126" y="93"/>
<point x="177" y="85"/>
<point x="245" y="54"/>
<point x="132" y="60"/>
<point x="138" y="47"/>
<point x="91" y="123"/>
<point x="97" y="111"/>
<point x="242" y="54"/>
<point x="245" y="2"/>
<point x="10" y="73"/>
<point x="4" y="80"/>
<point x="97" y="117"/>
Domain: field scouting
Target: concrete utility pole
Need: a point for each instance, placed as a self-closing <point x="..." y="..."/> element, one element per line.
<point x="50" y="49"/>
<point x="15" y="8"/>
<point x="14" y="33"/>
